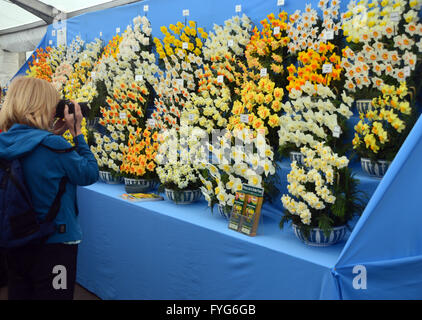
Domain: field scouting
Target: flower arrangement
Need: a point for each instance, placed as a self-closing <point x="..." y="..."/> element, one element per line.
<point x="39" y="67"/>
<point x="322" y="193"/>
<point x="250" y="161"/>
<point x="139" y="158"/>
<point x="178" y="157"/>
<point x="385" y="41"/>
<point x="382" y="130"/>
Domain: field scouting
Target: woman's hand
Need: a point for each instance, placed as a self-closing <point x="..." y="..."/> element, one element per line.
<point x="74" y="120"/>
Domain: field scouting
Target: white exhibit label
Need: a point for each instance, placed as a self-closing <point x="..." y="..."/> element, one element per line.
<point x="93" y="75"/>
<point x="139" y="77"/>
<point x="50" y="42"/>
<point x="406" y="71"/>
<point x="263" y="72"/>
<point x="185" y="45"/>
<point x="61" y="37"/>
<point x="337" y="132"/>
<point x="101" y="33"/>
<point x="53" y="33"/>
<point x="327" y="68"/>
<point x="151" y="122"/>
<point x="244" y="118"/>
<point x="123" y="115"/>
<point x="186" y="12"/>
<point x="238" y="8"/>
<point x="180" y="82"/>
<point x="191" y="117"/>
<point x="146" y="8"/>
<point x="329" y="35"/>
<point x="117" y="30"/>
<point x="395" y="16"/>
<point x="220" y="79"/>
<point x="230" y="43"/>
<point x="276" y="30"/>
<point x="280" y="3"/>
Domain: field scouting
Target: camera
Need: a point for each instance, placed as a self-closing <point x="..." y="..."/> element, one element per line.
<point x="60" y="108"/>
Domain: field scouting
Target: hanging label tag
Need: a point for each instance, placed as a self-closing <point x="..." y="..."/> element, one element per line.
<point x="276" y="30"/>
<point x="179" y="82"/>
<point x="61" y="37"/>
<point x="329" y="35"/>
<point x="238" y="8"/>
<point x="280" y="3"/>
<point x="244" y="118"/>
<point x="123" y="115"/>
<point x="139" y="77"/>
<point x="93" y="75"/>
<point x="191" y="117"/>
<point x="37" y="61"/>
<point x="230" y="43"/>
<point x="327" y="68"/>
<point x="101" y="33"/>
<point x="263" y="72"/>
<point x="220" y="79"/>
<point x="117" y="30"/>
<point x="186" y="12"/>
<point x="395" y="16"/>
<point x="185" y="45"/>
<point x="53" y="33"/>
<point x="146" y="8"/>
<point x="151" y="122"/>
<point x="337" y="132"/>
<point x="50" y="42"/>
<point x="406" y="71"/>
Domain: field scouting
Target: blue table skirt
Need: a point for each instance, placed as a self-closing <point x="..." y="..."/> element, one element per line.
<point x="160" y="250"/>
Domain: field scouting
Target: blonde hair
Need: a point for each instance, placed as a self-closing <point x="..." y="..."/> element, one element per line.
<point x="31" y="102"/>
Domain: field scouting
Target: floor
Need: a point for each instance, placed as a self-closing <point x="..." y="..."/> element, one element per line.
<point x="80" y="294"/>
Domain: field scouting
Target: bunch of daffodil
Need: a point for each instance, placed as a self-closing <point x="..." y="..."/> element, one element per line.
<point x="108" y="151"/>
<point x="259" y="107"/>
<point x="239" y="157"/>
<point x="180" y="152"/>
<point x="322" y="192"/>
<point x="311" y="65"/>
<point x="175" y="87"/>
<point x="386" y="38"/>
<point x="40" y="67"/>
<point x="139" y="157"/>
<point x="381" y="130"/>
<point x="188" y="39"/>
<point x="306" y="32"/>
<point x="268" y="49"/>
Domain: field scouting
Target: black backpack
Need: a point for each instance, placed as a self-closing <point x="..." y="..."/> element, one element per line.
<point x="19" y="225"/>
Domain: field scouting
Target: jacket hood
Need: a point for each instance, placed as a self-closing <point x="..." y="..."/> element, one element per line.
<point x="20" y="140"/>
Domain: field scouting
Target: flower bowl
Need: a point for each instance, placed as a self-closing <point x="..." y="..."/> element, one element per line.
<point x="317" y="237"/>
<point x="139" y="185"/>
<point x="106" y="177"/>
<point x="183" y="197"/>
<point x="375" y="169"/>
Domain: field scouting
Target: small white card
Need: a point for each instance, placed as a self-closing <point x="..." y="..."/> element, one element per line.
<point x="230" y="43"/>
<point x="327" y="68"/>
<point x="337" y="132"/>
<point x="85" y="56"/>
<point x="220" y="79"/>
<point x="276" y="30"/>
<point x="101" y="33"/>
<point x="186" y="12"/>
<point x="238" y="8"/>
<point x="179" y="82"/>
<point x="329" y="35"/>
<point x="395" y="16"/>
<point x="53" y="33"/>
<point x="146" y="8"/>
<point x="123" y="115"/>
<point x="185" y="45"/>
<point x="93" y="75"/>
<point x="139" y="77"/>
<point x="244" y="118"/>
<point x="151" y="122"/>
<point x="280" y="3"/>
<point x="50" y="42"/>
<point x="406" y="71"/>
<point x="263" y="72"/>
<point x="117" y="30"/>
<point x="61" y="37"/>
<point x="191" y="117"/>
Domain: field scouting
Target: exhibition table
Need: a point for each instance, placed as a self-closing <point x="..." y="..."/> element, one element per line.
<point x="160" y="250"/>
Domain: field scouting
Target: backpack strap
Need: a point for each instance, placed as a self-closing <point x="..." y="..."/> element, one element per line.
<point x="54" y="209"/>
<point x="7" y="168"/>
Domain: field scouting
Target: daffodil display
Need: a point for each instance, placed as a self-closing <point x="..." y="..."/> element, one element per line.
<point x="181" y="151"/>
<point x="382" y="130"/>
<point x="39" y="66"/>
<point x="139" y="157"/>
<point x="322" y="192"/>
<point x="249" y="161"/>
<point x="385" y="41"/>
